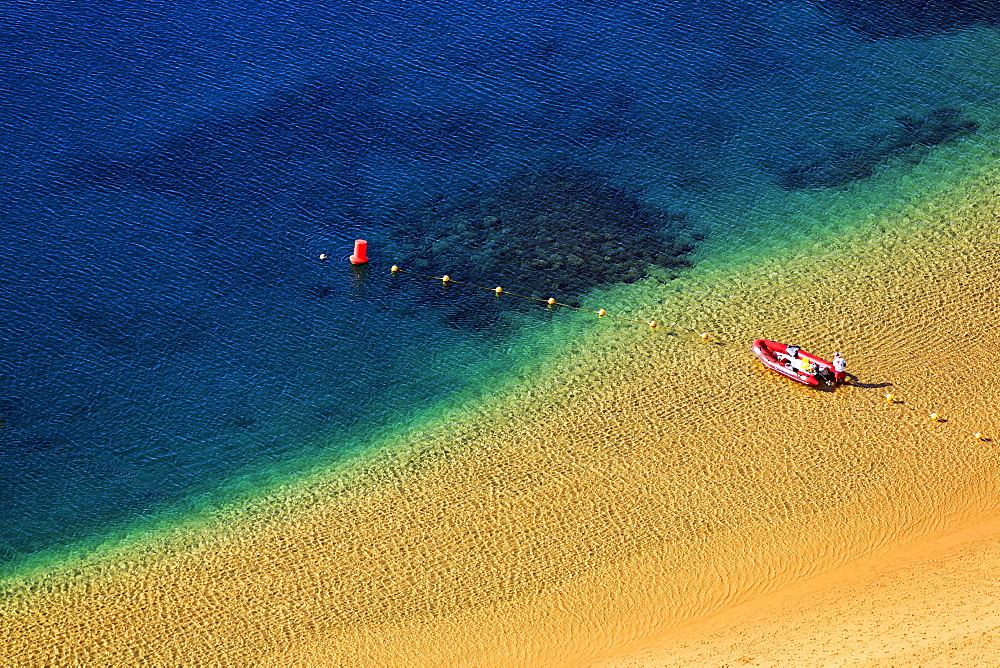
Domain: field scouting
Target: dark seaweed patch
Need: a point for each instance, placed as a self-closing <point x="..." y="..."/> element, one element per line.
<point x="555" y="231"/>
<point x="123" y="329"/>
<point x="230" y="161"/>
<point x="845" y="164"/>
<point x="321" y="291"/>
<point x="901" y="18"/>
<point x="243" y="422"/>
<point x="10" y="408"/>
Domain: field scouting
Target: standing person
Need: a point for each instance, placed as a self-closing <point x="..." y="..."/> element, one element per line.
<point x="839" y="369"/>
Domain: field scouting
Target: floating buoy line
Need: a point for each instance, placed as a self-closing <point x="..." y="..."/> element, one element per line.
<point x="550" y="302"/>
<point x="447" y="280"/>
<point x="360" y="257"/>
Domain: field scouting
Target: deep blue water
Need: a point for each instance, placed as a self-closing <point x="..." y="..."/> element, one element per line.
<point x="171" y="172"/>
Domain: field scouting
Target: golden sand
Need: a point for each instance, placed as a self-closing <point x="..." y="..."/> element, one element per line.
<point x="644" y="480"/>
<point x="933" y="603"/>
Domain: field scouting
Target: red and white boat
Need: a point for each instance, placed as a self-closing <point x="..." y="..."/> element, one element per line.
<point x="775" y="356"/>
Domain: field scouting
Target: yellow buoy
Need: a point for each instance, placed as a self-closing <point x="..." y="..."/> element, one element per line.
<point x="890" y="398"/>
<point x="445" y="278"/>
<point x="498" y="290"/>
<point x="935" y="417"/>
<point x="978" y="436"/>
<point x="704" y="335"/>
<point x="551" y="301"/>
<point x="394" y="269"/>
<point x="602" y="313"/>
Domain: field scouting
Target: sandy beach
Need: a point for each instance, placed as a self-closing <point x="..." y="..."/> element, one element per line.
<point x="644" y="481"/>
<point x="932" y="603"/>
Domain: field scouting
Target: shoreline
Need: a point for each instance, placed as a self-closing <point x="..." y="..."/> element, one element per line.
<point x="631" y="490"/>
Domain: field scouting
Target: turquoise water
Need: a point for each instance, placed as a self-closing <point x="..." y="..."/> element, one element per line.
<point x="173" y="172"/>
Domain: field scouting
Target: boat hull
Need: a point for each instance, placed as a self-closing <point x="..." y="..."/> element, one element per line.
<point x="772" y="353"/>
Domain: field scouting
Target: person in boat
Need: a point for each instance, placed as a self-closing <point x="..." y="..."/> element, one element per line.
<point x="839" y="369"/>
<point x="806" y="366"/>
<point x="790" y="357"/>
<point x="826" y="375"/>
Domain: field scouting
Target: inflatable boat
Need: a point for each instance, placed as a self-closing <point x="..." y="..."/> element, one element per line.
<point x="775" y="356"/>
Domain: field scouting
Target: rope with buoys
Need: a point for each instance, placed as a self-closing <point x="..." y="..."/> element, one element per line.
<point x="360" y="257"/>
<point x="551" y="301"/>
<point x="447" y="280"/>
<point x="653" y="325"/>
<point x="933" y="415"/>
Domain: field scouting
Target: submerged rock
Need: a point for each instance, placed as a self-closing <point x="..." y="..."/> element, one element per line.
<point x="556" y="231"/>
<point x="844" y="164"/>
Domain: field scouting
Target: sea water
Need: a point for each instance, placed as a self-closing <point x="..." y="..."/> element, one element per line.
<point x="172" y="173"/>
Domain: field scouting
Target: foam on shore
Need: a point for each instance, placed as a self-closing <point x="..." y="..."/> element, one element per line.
<point x="640" y="480"/>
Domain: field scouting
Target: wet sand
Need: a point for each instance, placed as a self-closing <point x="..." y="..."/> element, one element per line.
<point x="644" y="481"/>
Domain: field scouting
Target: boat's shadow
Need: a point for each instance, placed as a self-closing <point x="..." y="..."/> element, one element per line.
<point x="853" y="381"/>
<point x="868" y="386"/>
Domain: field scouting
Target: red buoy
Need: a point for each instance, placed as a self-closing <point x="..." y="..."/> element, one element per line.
<point x="360" y="252"/>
